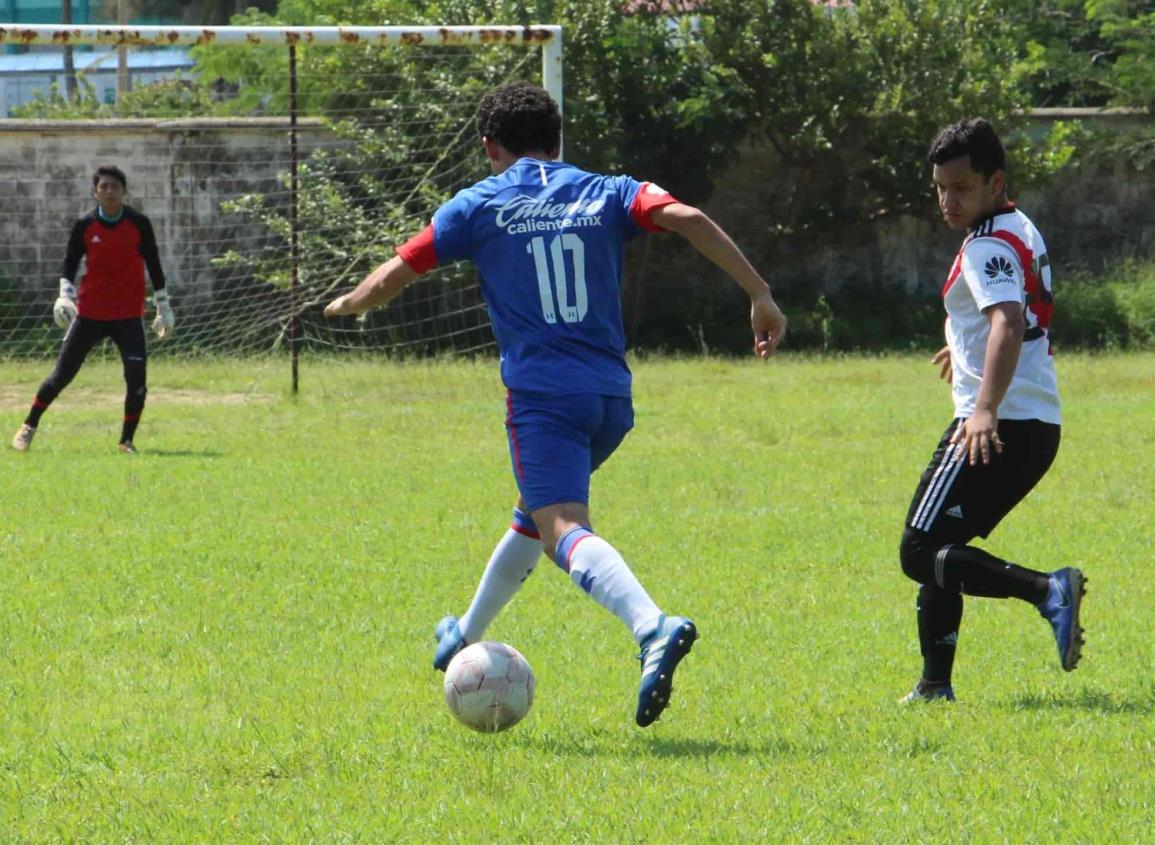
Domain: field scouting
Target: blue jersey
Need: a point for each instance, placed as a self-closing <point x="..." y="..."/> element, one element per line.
<point x="548" y="240"/>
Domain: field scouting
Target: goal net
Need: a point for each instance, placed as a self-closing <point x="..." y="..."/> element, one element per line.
<point x="278" y="170"/>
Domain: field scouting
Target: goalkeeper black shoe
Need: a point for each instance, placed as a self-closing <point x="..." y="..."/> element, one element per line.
<point x="923" y="693"/>
<point x="23" y="437"/>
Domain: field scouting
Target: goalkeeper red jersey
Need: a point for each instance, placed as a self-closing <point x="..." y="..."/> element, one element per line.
<point x="116" y="254"/>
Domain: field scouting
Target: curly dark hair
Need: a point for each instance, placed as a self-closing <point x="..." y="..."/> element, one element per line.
<point x="522" y="117"/>
<point x="974" y="137"/>
<point x="108" y="170"/>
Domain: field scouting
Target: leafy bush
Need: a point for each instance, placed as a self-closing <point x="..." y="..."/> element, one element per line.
<point x="1137" y="301"/>
<point x="176" y="97"/>
<point x="1114" y="310"/>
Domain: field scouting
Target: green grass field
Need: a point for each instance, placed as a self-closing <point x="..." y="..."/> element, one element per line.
<point x="227" y="637"/>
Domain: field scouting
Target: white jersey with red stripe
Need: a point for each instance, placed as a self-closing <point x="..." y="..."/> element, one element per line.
<point x="1003" y="259"/>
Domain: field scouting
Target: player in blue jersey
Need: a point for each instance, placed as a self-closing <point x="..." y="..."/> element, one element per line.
<point x="548" y="240"/>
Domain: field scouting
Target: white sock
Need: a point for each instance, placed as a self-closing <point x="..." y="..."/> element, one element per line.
<point x="596" y="567"/>
<point x="510" y="564"/>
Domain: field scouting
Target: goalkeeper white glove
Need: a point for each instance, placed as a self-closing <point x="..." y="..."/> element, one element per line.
<point x="164" y="320"/>
<point x="64" y="309"/>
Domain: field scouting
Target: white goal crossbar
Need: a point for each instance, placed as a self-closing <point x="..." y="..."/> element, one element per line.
<point x="546" y="37"/>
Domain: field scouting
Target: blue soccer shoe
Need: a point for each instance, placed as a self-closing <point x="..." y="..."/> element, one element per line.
<point x="449" y="642"/>
<point x="661" y="653"/>
<point x="1061" y="609"/>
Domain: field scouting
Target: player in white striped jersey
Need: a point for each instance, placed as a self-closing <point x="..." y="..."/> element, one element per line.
<point x="1006" y="426"/>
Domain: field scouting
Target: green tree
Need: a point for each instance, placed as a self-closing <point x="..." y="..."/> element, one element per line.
<point x="1129" y="27"/>
<point x="844" y="101"/>
<point x="642" y="93"/>
<point x="1086" y="52"/>
<point x="1096" y="53"/>
<point x="193" y="12"/>
<point x="849" y="100"/>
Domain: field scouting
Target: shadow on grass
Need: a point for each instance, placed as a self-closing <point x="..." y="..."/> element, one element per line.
<point x="689" y="747"/>
<point x="1095" y="701"/>
<point x="597" y="743"/>
<point x="182" y="453"/>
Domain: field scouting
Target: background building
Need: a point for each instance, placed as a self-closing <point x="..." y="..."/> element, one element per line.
<point x="28" y="71"/>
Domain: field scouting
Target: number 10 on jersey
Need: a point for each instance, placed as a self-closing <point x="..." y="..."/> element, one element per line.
<point x="558" y="280"/>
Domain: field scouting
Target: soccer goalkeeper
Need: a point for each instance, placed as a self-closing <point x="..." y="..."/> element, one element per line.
<point x="117" y="243"/>
<point x="548" y="240"/>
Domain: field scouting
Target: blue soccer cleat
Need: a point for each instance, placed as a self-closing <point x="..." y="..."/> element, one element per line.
<point x="919" y="695"/>
<point x="1061" y="609"/>
<point x="449" y="642"/>
<point x="661" y="653"/>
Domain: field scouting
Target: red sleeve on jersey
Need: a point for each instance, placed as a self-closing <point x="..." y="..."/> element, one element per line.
<point x="1039" y="300"/>
<point x="649" y="198"/>
<point x="418" y="251"/>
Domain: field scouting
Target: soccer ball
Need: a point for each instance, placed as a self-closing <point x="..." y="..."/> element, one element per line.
<point x="489" y="686"/>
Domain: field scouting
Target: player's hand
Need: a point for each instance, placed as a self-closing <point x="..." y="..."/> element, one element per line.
<point x="63" y="312"/>
<point x="977" y="436"/>
<point x="164" y="322"/>
<point x="942" y="359"/>
<point x="339" y="307"/>
<point x="64" y="309"/>
<point x="769" y="324"/>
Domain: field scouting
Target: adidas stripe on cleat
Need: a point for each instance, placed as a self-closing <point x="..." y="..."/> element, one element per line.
<point x="661" y="653"/>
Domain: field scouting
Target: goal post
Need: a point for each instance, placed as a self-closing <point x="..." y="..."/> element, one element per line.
<point x="546" y="37"/>
<point x="322" y="149"/>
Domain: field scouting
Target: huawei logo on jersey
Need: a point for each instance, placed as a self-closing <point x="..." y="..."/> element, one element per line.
<point x="999" y="271"/>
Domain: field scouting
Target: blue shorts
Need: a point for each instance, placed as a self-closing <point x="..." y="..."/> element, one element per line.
<point x="556" y="442"/>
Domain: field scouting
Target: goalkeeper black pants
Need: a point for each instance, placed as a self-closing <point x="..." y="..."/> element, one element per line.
<point x="81" y="337"/>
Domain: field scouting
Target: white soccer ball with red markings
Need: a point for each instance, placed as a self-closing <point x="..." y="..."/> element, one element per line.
<point x="489" y="686"/>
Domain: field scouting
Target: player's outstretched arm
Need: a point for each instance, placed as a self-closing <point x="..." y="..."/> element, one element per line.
<point x="693" y="224"/>
<point x="378" y="288"/>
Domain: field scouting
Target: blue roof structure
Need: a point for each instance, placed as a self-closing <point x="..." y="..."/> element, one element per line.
<point x="89" y="61"/>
